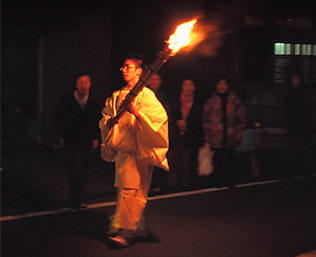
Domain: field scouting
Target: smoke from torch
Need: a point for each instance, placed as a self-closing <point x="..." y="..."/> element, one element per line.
<point x="179" y="39"/>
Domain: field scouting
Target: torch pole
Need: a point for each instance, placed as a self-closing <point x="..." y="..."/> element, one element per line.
<point x="160" y="60"/>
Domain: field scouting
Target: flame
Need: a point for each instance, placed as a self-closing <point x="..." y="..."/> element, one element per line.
<point x="181" y="37"/>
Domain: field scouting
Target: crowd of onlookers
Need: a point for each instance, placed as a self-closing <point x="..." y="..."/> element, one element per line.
<point x="216" y="122"/>
<point x="194" y="123"/>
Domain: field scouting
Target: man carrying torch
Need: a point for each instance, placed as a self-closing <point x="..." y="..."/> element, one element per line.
<point x="134" y="131"/>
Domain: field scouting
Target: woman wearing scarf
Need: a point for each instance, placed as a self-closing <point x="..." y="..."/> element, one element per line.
<point x="185" y="137"/>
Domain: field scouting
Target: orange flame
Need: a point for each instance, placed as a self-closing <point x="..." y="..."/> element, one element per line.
<point x="181" y="37"/>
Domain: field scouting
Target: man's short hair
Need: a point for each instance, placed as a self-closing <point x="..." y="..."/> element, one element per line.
<point x="139" y="59"/>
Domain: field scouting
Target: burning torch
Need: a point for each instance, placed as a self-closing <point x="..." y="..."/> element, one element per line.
<point x="180" y="38"/>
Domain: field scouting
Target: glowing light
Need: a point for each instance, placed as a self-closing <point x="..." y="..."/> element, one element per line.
<point x="181" y="37"/>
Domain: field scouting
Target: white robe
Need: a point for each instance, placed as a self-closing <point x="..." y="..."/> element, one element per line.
<point x="145" y="138"/>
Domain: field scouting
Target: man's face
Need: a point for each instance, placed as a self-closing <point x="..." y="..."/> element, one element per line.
<point x="130" y="71"/>
<point x="83" y="85"/>
<point x="222" y="86"/>
<point x="155" y="82"/>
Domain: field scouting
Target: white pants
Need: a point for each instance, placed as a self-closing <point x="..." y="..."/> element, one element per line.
<point x="131" y="200"/>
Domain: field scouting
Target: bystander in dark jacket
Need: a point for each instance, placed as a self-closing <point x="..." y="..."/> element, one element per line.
<point x="75" y="121"/>
<point x="297" y="119"/>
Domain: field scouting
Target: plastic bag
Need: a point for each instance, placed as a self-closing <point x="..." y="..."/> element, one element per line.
<point x="205" y="160"/>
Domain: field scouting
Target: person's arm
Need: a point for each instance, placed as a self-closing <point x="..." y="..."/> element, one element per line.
<point x="96" y="108"/>
<point x="241" y="120"/>
<point x="95" y="144"/>
<point x="107" y="114"/>
<point x="205" y="120"/>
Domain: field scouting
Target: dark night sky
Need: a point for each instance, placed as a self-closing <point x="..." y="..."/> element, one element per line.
<point x="24" y="19"/>
<point x="44" y="15"/>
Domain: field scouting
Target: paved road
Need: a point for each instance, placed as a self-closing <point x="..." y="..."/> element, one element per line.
<point x="264" y="220"/>
<point x="261" y="220"/>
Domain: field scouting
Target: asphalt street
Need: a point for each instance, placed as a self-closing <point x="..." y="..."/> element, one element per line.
<point x="261" y="219"/>
<point x="263" y="216"/>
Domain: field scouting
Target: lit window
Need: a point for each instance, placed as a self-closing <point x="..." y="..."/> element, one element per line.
<point x="287" y="49"/>
<point x="279" y="48"/>
<point x="308" y="49"/>
<point x="297" y="49"/>
<point x="304" y="49"/>
<point x="294" y="56"/>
